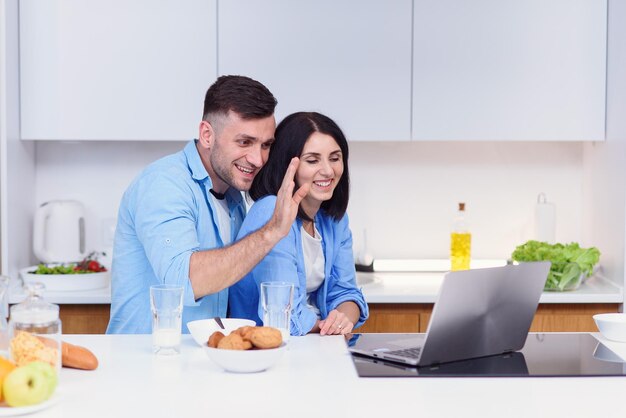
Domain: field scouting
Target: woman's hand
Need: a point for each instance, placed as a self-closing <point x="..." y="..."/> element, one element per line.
<point x="336" y="323"/>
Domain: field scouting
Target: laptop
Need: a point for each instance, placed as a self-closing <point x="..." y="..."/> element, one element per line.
<point x="478" y="313"/>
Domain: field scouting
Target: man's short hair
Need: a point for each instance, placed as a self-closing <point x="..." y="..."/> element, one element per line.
<point x="242" y="95"/>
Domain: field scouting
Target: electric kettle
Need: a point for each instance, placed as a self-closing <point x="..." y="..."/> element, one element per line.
<point x="59" y="232"/>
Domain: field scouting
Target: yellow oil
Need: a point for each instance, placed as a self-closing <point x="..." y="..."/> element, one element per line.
<point x="460" y="250"/>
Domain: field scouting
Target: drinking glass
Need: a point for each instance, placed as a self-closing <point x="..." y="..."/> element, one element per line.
<point x="276" y="300"/>
<point x="166" y="303"/>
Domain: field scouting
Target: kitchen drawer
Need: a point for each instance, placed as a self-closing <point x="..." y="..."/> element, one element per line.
<point x="85" y="319"/>
<point x="395" y="317"/>
<point x="409" y="317"/>
<point x="572" y="317"/>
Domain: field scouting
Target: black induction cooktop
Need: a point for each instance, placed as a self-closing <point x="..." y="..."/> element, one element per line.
<point x="543" y="355"/>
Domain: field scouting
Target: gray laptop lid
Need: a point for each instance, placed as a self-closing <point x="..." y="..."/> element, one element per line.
<point x="478" y="313"/>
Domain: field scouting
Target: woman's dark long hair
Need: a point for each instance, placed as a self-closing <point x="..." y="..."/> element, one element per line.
<point x="290" y="137"/>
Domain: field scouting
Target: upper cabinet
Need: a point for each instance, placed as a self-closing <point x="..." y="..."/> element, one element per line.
<point x="403" y="70"/>
<point x="115" y="69"/>
<point x="509" y="69"/>
<point x="350" y="59"/>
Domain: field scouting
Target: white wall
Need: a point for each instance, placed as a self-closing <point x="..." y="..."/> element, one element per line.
<point x="405" y="194"/>
<point x="95" y="173"/>
<point x="604" y="168"/>
<point x="16" y="156"/>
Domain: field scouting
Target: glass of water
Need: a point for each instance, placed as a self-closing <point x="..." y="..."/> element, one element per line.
<point x="276" y="300"/>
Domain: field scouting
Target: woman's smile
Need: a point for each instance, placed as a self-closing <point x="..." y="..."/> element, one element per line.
<point x="323" y="183"/>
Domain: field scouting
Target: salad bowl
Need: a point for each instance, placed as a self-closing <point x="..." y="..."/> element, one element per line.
<point x="67" y="282"/>
<point x="571" y="264"/>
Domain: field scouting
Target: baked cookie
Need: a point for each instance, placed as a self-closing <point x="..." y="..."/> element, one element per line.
<point x="215" y="338"/>
<point x="245" y="332"/>
<point x="232" y="342"/>
<point x="266" y="337"/>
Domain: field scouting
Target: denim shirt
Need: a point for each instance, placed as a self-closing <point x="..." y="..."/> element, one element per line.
<point x="166" y="215"/>
<point x="286" y="263"/>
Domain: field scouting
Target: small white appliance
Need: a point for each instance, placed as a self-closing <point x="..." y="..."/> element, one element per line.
<point x="59" y="232"/>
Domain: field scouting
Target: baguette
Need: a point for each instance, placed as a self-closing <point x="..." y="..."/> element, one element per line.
<point x="78" y="357"/>
<point x="74" y="356"/>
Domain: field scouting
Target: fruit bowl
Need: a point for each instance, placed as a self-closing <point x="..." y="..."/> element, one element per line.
<point x="202" y="329"/>
<point x="8" y="411"/>
<point x="27" y="388"/>
<point x="245" y="361"/>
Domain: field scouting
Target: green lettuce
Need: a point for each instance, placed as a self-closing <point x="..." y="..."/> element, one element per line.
<point x="568" y="261"/>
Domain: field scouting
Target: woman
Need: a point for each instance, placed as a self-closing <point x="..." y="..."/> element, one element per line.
<point x="317" y="254"/>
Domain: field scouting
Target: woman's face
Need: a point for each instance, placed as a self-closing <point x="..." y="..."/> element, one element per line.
<point x="321" y="166"/>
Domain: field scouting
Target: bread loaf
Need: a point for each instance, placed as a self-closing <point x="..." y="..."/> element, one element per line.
<point x="78" y="357"/>
<point x="74" y="356"/>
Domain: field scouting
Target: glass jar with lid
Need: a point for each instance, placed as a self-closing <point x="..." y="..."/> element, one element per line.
<point x="4" y="313"/>
<point x="35" y="329"/>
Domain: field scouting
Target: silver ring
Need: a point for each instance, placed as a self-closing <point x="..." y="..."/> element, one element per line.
<point x="340" y="327"/>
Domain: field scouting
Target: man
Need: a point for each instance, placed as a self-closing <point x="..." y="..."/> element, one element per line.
<point x="178" y="218"/>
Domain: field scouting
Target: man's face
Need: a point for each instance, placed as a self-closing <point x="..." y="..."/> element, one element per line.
<point x="238" y="150"/>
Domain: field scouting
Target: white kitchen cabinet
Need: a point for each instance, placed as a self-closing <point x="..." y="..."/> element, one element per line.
<point x="115" y="69"/>
<point x="509" y="70"/>
<point x="350" y="60"/>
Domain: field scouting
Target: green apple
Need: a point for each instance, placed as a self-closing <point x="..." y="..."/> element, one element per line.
<point x="28" y="385"/>
<point x="49" y="372"/>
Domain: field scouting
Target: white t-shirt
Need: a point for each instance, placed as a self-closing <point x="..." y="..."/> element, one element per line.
<point x="223" y="218"/>
<point x="314" y="262"/>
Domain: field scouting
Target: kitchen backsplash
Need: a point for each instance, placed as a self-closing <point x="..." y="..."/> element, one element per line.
<point x="403" y="194"/>
<point x="406" y="195"/>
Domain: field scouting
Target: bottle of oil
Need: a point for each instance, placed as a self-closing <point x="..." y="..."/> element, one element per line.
<point x="460" y="242"/>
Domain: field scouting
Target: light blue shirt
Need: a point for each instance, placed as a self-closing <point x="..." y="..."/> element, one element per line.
<point x="166" y="215"/>
<point x="286" y="263"/>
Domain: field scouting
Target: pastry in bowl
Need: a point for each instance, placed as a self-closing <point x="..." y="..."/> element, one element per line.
<point x="246" y="349"/>
<point x="245" y="361"/>
<point x="246" y="338"/>
<point x="202" y="329"/>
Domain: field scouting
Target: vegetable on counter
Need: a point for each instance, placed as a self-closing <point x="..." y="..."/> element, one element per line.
<point x="89" y="264"/>
<point x="568" y="261"/>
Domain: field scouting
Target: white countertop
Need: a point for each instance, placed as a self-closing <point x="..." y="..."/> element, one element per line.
<point x="315" y="378"/>
<point x="418" y="287"/>
<point x="382" y="288"/>
<point x="92" y="297"/>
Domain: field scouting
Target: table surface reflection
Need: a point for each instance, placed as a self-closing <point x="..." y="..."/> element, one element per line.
<point x="543" y="355"/>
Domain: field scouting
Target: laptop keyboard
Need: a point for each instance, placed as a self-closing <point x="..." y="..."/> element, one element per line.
<point x="407" y="352"/>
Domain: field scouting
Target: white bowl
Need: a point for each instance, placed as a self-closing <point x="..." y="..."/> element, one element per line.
<point x="612" y="326"/>
<point x="202" y="329"/>
<point x="245" y="361"/>
<point x="67" y="282"/>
